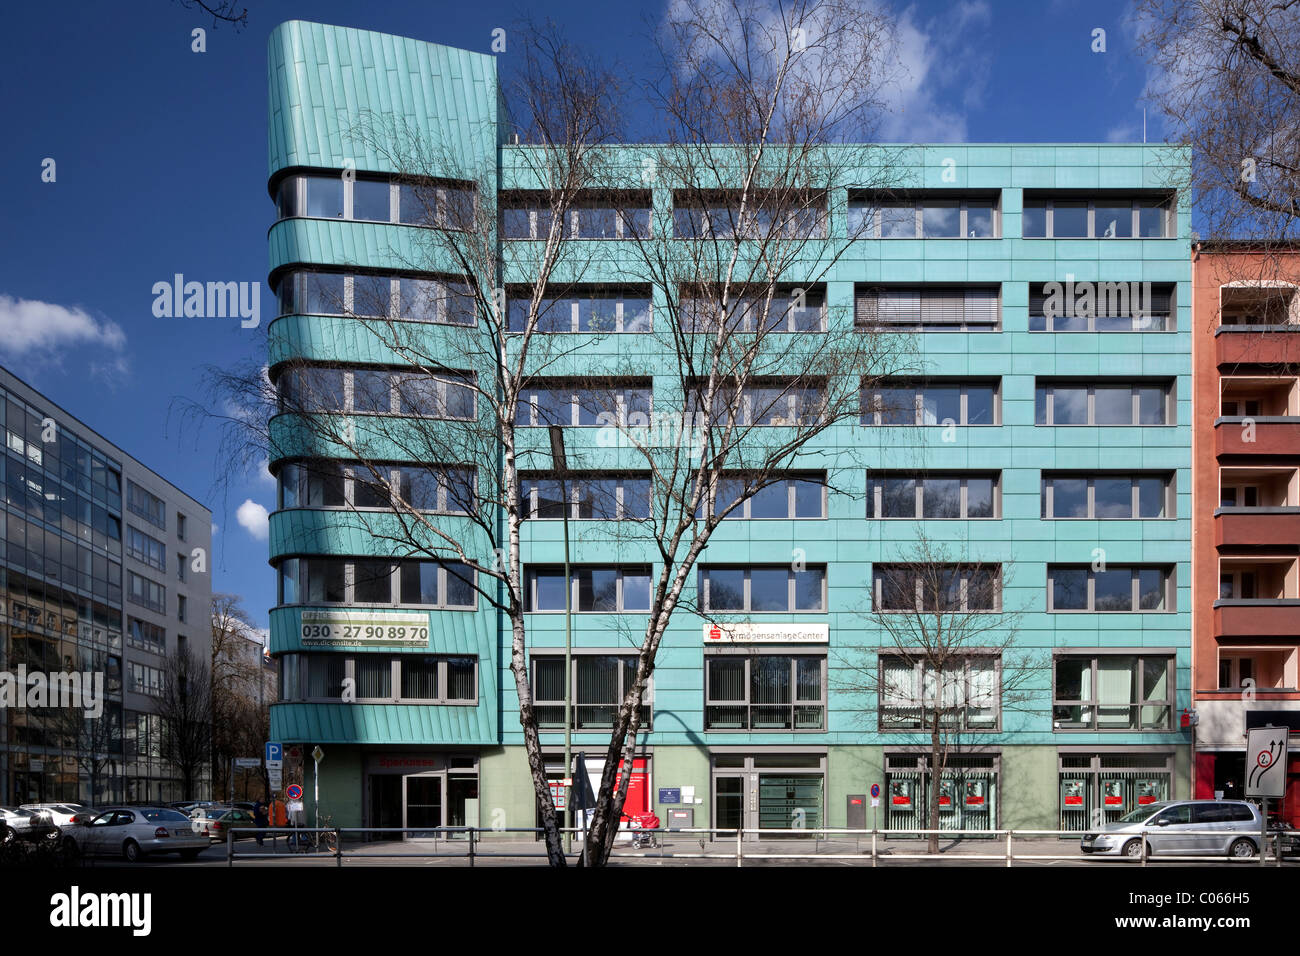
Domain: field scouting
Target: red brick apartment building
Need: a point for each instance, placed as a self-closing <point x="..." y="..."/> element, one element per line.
<point x="1246" y="508"/>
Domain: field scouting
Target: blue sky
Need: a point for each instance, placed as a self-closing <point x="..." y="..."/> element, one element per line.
<point x="161" y="168"/>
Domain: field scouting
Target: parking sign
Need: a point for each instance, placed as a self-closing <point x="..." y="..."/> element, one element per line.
<point x="274" y="756"/>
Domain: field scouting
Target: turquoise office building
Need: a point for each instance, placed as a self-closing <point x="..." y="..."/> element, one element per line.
<point x="1051" y="445"/>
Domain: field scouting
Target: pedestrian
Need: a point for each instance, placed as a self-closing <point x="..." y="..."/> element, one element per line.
<point x="260" y="816"/>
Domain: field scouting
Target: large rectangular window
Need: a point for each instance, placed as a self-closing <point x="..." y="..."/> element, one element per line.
<point x="608" y="589"/>
<point x="1101" y="307"/>
<point x="1098" y="217"/>
<point x="398" y="679"/>
<point x="758" y="589"/>
<point x="373" y="581"/>
<point x="549" y="402"/>
<point x="781" y="309"/>
<point x="933" y="308"/>
<point x="946" y="215"/>
<point x="767" y="402"/>
<point x="802" y="495"/>
<point x="599" y="682"/>
<point x="937" y="588"/>
<point x="1113" y="692"/>
<point x="933" y="495"/>
<point x="756" y="692"/>
<point x="1109" y="588"/>
<point x="1107" y="495"/>
<point x="146" y="593"/>
<point x="377" y="391"/>
<point x="766" y="216"/>
<point x="596" y="310"/>
<point x="591" y="497"/>
<point x="1103" y="402"/>
<point x="146" y="505"/>
<point x="963" y="694"/>
<point x="146" y="549"/>
<point x="933" y="402"/>
<point x="606" y="215"/>
<point x="445" y="489"/>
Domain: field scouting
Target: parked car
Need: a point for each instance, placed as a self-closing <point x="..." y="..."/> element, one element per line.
<point x="1179" y="828"/>
<point x="29" y="826"/>
<point x="202" y="818"/>
<point x="240" y="821"/>
<point x="61" y="812"/>
<point x="133" y="833"/>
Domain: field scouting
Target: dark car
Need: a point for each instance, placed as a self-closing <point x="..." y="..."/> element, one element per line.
<point x="29" y="826"/>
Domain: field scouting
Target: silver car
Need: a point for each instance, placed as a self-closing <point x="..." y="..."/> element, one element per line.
<point x="133" y="833"/>
<point x="1181" y="828"/>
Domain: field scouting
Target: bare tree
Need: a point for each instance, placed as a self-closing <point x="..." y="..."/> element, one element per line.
<point x="184" y="706"/>
<point x="95" y="742"/>
<point x="240" y="712"/>
<point x="221" y="11"/>
<point x="948" y="666"/>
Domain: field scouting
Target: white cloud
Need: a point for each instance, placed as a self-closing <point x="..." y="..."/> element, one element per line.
<point x="263" y="470"/>
<point x="215" y="527"/>
<point x="253" y="518"/>
<point x="29" y="326"/>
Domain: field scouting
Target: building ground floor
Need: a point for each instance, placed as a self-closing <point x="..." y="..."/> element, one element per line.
<point x="761" y="788"/>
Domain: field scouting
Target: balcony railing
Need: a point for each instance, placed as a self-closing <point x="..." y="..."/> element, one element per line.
<point x="1257" y="344"/>
<point x="1268" y="617"/>
<point x="1258" y="435"/>
<point x="1279" y="526"/>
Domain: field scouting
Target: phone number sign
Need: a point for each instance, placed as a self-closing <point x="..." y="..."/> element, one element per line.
<point x="364" y="629"/>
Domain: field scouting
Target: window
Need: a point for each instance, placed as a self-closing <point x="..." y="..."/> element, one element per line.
<point x="1113" y="692"/>
<point x="143" y="548"/>
<point x="446" y="489"/>
<point x="143" y="679"/>
<point x="591" y="497"/>
<point x="146" y="593"/>
<point x="780" y="309"/>
<point x="760" y="590"/>
<point x="765" y="402"/>
<point x="941" y="216"/>
<point x="180" y="567"/>
<point x="608" y="589"/>
<point x="381" y="678"/>
<point x="1101" y="307"/>
<point x="764" y="692"/>
<point x="596" y="310"/>
<point x="934" y="402"/>
<point x="933" y="495"/>
<point x="599" y="681"/>
<point x="1124" y="217"/>
<point x="415" y="298"/>
<point x="181" y="605"/>
<point x="376" y="581"/>
<point x="377" y="391"/>
<point x="1117" y="403"/>
<point x="964" y="694"/>
<point x="798" y="496"/>
<point x="1250" y="306"/>
<point x="1114" y="588"/>
<point x="939" y="308"/>
<point x="149" y="507"/>
<point x="180" y="526"/>
<point x="791" y="215"/>
<point x="551" y="402"/>
<point x="145" y="636"/>
<point x="937" y="588"/>
<point x="1107" y="496"/>
<point x="369" y="198"/>
<point x="615" y="215"/>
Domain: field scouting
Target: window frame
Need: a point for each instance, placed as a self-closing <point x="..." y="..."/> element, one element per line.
<point x="446" y="287"/>
<point x="620" y="296"/>
<point x="919" y="669"/>
<point x="1170" y="316"/>
<point x="1047" y="395"/>
<point x="794" y="395"/>
<point x="530" y="587"/>
<point x="879" y="570"/>
<point x="703" y="588"/>
<point x="301" y="576"/>
<point x="1168" y="586"/>
<point x="862" y="207"/>
<point x="1136" y="204"/>
<point x="873" y="405"/>
<point x="300" y="474"/>
<point x="529" y="494"/>
<point x="551" y="656"/>
<point x="1047" y="494"/>
<point x="293" y="188"/>
<point x="294" y="666"/>
<point x="443" y="382"/>
<point x="529" y="396"/>
<point x="1094" y="657"/>
<point x="746" y="308"/>
<point x="747" y="656"/>
<point x="154" y="553"/>
<point x="875" y="494"/>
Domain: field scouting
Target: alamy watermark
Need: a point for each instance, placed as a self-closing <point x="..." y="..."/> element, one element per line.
<point x="1085" y="300"/>
<point x="211" y="300"/>
<point x="69" y="689"/>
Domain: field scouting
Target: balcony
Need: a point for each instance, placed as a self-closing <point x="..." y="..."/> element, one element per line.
<point x="1272" y="434"/>
<point x="1257" y="526"/>
<point x="1257" y="344"/>
<point x="1278" y="617"/>
<point x="1223" y="714"/>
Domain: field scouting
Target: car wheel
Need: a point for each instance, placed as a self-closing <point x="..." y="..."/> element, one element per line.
<point x="131" y="850"/>
<point x="1242" y="849"/>
<point x="1133" y="849"/>
<point x="189" y="854"/>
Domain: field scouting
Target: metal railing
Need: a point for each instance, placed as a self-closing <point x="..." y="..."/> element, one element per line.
<point x="469" y="843"/>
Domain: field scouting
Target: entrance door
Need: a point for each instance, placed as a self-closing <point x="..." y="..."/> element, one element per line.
<point x="789" y="801"/>
<point x="423" y="803"/>
<point x="729" y="803"/>
<point x="385" y="805"/>
<point x="462" y="802"/>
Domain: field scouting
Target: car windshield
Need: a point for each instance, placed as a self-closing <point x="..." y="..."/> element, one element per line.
<point x="1141" y="813"/>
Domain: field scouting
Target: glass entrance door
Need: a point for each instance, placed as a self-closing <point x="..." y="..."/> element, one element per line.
<point x="462" y="802"/>
<point x="385" y="805"/>
<point x="729" y="803"/>
<point x="423" y="803"/>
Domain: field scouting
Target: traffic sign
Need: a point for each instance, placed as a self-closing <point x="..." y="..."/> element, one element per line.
<point x="294" y="792"/>
<point x="274" y="754"/>
<point x="318" y="755"/>
<point x="275" y="778"/>
<point x="247" y="763"/>
<point x="875" y="790"/>
<point x="1266" y="762"/>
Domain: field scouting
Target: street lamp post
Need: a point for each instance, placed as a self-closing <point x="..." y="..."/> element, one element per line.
<point x="561" y="469"/>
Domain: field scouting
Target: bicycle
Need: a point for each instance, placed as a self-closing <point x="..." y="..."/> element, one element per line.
<point x="327" y="840"/>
